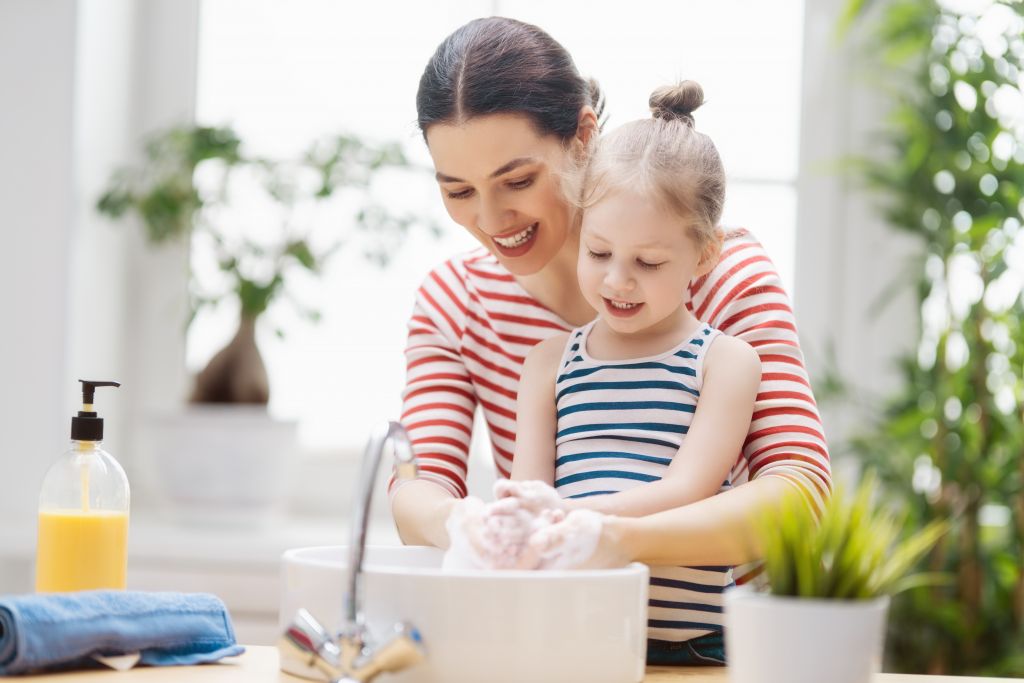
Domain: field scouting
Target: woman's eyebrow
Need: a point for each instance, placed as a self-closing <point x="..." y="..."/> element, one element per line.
<point x="510" y="166"/>
<point x="513" y="165"/>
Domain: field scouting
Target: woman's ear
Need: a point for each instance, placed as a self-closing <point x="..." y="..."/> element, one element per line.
<point x="586" y="125"/>
<point x="710" y="254"/>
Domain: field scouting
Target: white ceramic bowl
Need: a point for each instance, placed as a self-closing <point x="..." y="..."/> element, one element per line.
<point x="483" y="627"/>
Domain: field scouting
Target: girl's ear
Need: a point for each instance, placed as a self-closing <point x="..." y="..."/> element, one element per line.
<point x="710" y="254"/>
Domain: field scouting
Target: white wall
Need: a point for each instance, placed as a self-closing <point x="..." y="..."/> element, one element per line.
<point x="80" y="79"/>
<point x="166" y="32"/>
<point x="37" y="68"/>
<point x="104" y="57"/>
<point x="846" y="256"/>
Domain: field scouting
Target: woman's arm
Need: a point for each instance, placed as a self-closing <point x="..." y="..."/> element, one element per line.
<point x="732" y="372"/>
<point x="714" y="531"/>
<point x="535" y="413"/>
<point x="437" y="410"/>
<point x="420" y="509"/>
<point x="743" y="297"/>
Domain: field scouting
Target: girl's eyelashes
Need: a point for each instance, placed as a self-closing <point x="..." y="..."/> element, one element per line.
<point x="461" y="194"/>
<point x="601" y="255"/>
<point x="521" y="184"/>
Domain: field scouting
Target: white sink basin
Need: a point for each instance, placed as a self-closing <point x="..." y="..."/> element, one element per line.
<point x="483" y="627"/>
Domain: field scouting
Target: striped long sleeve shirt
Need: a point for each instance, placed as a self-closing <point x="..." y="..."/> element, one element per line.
<point x="473" y="324"/>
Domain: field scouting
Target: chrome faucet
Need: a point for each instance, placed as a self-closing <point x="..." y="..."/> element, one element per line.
<point x="350" y="656"/>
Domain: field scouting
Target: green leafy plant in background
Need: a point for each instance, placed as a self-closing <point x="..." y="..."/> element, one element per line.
<point x="951" y="445"/>
<point x="853" y="551"/>
<point x="166" y="194"/>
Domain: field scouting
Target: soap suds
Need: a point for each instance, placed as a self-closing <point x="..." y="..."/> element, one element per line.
<point x="526" y="527"/>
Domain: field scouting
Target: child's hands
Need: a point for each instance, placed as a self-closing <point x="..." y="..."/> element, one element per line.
<point x="568" y="542"/>
<point x="583" y="539"/>
<point x="528" y="527"/>
<point x="535" y="496"/>
<point x="490" y="536"/>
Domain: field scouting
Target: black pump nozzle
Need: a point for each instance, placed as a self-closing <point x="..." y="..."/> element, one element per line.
<point x="89" y="389"/>
<point x="88" y="426"/>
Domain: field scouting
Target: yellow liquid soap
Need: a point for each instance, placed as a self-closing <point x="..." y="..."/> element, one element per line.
<point x="81" y="550"/>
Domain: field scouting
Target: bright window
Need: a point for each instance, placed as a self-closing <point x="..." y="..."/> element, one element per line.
<point x="286" y="73"/>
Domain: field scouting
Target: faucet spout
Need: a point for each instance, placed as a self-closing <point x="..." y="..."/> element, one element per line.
<point x="405" y="468"/>
<point x="350" y="657"/>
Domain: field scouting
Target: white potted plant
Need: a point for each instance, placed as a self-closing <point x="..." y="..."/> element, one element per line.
<point x="829" y="580"/>
<point x="223" y="458"/>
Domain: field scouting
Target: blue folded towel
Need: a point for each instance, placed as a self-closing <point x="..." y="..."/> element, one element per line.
<point x="63" y="630"/>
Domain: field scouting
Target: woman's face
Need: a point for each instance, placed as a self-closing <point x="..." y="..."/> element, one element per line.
<point x="499" y="179"/>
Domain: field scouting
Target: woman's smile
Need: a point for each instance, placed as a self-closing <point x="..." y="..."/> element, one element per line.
<point x="517" y="242"/>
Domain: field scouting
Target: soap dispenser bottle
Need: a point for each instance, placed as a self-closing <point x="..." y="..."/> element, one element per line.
<point x="83" y="511"/>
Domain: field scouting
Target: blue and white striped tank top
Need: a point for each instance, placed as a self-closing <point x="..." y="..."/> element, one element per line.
<point x="620" y="423"/>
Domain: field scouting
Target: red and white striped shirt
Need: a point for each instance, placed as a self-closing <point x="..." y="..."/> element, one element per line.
<point x="473" y="325"/>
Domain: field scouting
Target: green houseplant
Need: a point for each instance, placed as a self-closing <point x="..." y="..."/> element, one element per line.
<point x="949" y="171"/>
<point x="252" y="221"/>
<point x="829" y="579"/>
<point x="167" y="197"/>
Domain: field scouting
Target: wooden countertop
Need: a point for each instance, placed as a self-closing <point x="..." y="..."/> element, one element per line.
<point x="259" y="665"/>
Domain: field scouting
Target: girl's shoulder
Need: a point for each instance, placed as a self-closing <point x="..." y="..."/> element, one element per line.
<point x="733" y="353"/>
<point x="549" y="351"/>
<point x="544" y="359"/>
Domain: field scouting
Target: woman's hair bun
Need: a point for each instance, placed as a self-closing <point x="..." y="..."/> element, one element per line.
<point x="677" y="101"/>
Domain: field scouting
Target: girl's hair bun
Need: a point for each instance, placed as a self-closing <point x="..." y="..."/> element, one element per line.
<point x="677" y="101"/>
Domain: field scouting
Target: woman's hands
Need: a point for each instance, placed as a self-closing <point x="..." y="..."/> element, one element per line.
<point x="529" y="527"/>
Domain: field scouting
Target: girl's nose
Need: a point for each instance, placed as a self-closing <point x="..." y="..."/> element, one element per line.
<point x="618" y="278"/>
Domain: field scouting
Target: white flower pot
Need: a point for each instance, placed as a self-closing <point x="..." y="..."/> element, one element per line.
<point x="223" y="464"/>
<point x="770" y="639"/>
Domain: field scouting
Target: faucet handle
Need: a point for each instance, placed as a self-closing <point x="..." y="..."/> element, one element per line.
<point x="308" y="643"/>
<point x="402" y="650"/>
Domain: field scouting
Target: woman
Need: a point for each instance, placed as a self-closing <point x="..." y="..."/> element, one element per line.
<point x="505" y="113"/>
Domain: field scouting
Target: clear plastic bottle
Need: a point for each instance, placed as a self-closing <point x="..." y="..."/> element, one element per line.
<point x="83" y="512"/>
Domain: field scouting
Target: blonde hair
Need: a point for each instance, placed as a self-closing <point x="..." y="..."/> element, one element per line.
<point x="663" y="157"/>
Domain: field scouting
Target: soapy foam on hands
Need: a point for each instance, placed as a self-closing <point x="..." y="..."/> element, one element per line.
<point x="525" y="528"/>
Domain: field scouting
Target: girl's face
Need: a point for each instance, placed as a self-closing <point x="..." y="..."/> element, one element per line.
<point x="636" y="262"/>
<point x="499" y="179"/>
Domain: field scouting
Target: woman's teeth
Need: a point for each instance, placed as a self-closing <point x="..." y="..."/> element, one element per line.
<point x="516" y="239"/>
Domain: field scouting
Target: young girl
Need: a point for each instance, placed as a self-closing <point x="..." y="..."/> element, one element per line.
<point x="646" y="393"/>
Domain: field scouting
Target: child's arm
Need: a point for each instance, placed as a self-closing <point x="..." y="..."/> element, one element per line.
<point x="732" y="374"/>
<point x="534" y="457"/>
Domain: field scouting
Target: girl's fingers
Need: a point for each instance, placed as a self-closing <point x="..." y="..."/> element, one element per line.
<point x="505" y="506"/>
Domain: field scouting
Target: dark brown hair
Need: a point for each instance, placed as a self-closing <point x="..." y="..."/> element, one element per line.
<point x="498" y="65"/>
